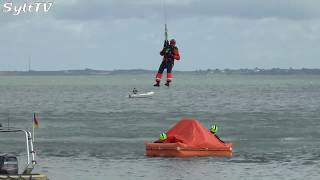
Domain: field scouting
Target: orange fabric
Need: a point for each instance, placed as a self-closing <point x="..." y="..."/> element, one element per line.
<point x="194" y="135"/>
<point x="176" y="54"/>
<point x="170" y="139"/>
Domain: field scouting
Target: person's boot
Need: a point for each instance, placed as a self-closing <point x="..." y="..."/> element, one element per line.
<point x="157" y="84"/>
<point x="168" y="82"/>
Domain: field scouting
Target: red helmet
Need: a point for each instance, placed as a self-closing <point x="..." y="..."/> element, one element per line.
<point x="172" y="42"/>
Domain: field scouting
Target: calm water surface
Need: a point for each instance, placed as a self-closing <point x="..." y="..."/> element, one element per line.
<point x="89" y="129"/>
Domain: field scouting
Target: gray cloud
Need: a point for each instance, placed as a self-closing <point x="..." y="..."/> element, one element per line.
<point x="128" y="34"/>
<point x="153" y="9"/>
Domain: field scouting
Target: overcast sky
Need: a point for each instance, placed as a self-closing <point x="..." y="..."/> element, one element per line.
<point x="128" y="34"/>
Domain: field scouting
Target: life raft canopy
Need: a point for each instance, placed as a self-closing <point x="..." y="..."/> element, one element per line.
<point x="192" y="139"/>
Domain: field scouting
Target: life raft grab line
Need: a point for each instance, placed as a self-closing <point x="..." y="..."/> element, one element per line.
<point x="180" y="147"/>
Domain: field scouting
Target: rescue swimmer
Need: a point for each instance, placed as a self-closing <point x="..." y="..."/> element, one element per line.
<point x="170" y="52"/>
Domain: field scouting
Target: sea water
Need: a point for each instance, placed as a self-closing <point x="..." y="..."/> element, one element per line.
<point x="90" y="129"/>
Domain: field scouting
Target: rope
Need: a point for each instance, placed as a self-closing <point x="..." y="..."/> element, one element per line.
<point x="164" y="11"/>
<point x="165" y="19"/>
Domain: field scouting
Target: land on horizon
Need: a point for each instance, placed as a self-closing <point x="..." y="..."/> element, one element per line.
<point x="273" y="71"/>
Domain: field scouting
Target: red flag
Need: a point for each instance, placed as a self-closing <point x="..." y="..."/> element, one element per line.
<point x="35" y="121"/>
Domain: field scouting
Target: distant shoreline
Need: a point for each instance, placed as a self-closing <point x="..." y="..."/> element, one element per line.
<point x="255" y="71"/>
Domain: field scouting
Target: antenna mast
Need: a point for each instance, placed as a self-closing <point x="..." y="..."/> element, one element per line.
<point x="29" y="65"/>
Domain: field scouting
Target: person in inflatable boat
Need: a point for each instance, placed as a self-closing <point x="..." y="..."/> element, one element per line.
<point x="134" y="91"/>
<point x="214" y="129"/>
<point x="163" y="138"/>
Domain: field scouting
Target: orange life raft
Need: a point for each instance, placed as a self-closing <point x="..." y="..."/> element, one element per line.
<point x="192" y="139"/>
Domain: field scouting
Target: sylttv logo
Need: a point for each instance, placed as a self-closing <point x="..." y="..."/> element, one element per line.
<point x="15" y="8"/>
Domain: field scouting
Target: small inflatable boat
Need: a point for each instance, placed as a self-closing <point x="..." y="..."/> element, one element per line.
<point x="142" y="95"/>
<point x="191" y="139"/>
